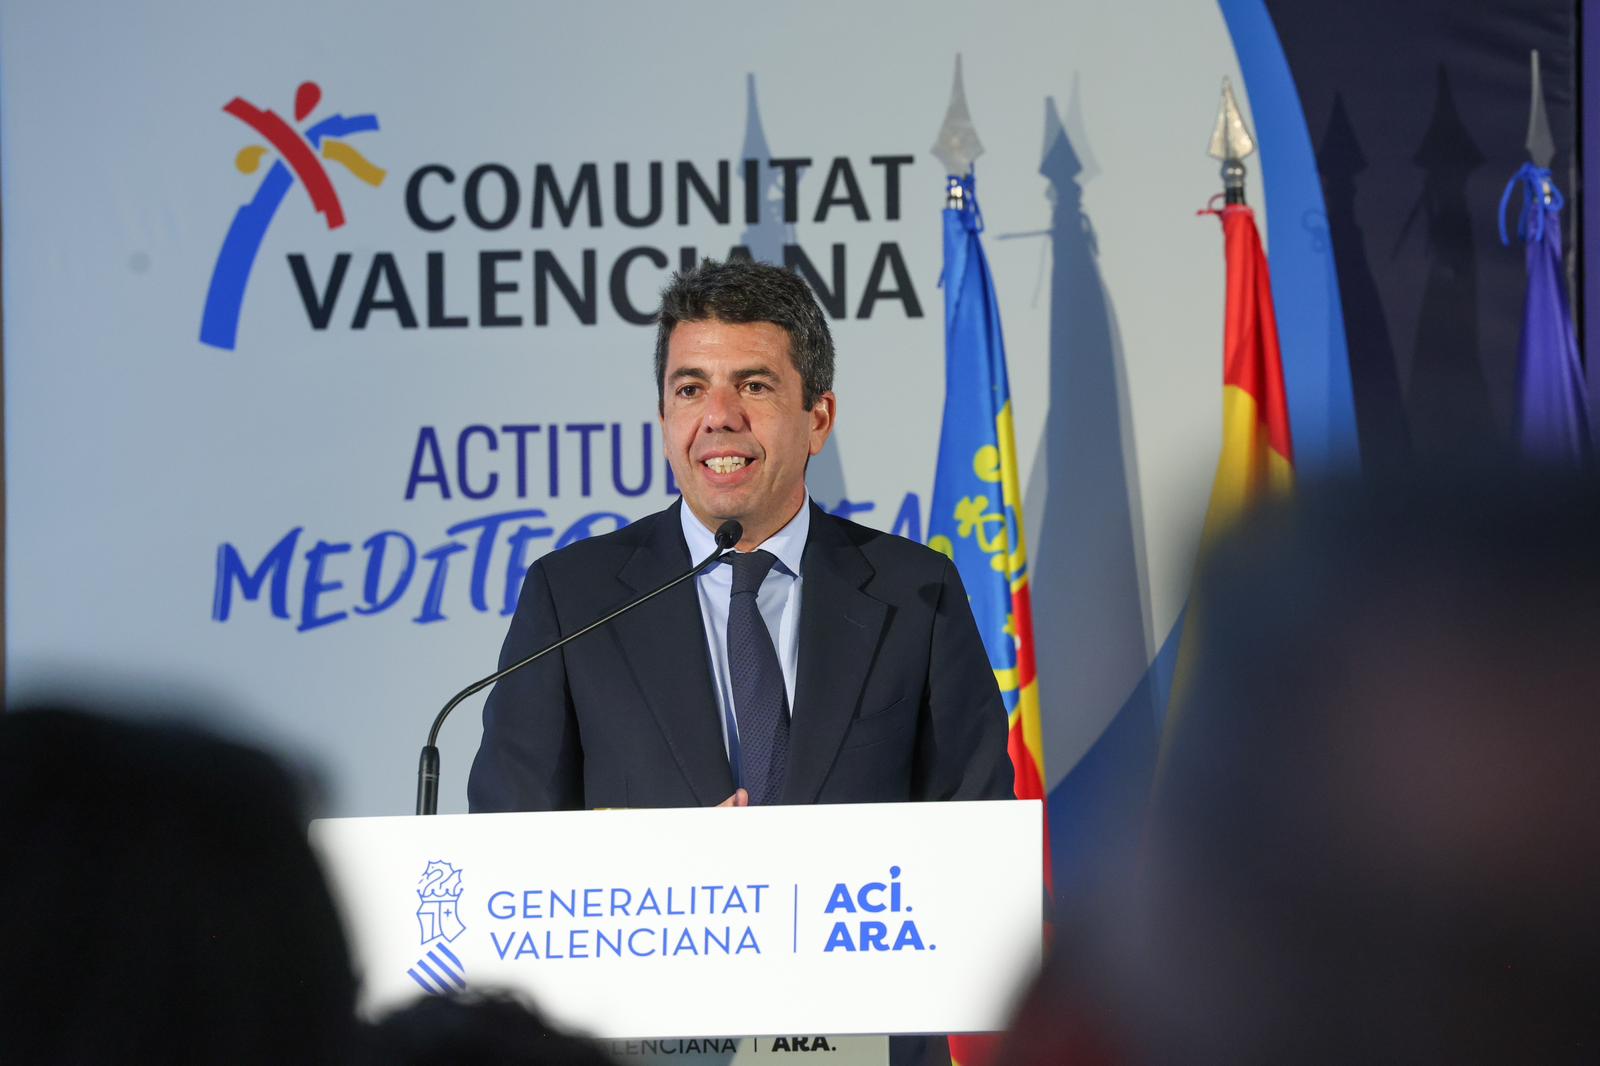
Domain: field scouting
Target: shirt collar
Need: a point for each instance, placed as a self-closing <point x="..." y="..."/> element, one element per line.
<point x="788" y="543"/>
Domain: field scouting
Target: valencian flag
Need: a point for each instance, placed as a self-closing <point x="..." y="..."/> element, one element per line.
<point x="976" y="516"/>
<point x="1257" y="458"/>
<point x="1552" y="415"/>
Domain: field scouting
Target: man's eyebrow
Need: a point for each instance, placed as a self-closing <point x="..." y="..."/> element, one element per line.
<point x="745" y="374"/>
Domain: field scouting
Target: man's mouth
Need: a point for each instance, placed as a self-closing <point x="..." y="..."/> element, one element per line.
<point x="726" y="464"/>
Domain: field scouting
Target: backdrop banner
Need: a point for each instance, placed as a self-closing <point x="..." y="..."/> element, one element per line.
<point x="322" y="323"/>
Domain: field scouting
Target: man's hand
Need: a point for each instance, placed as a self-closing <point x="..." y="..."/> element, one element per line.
<point x="740" y="798"/>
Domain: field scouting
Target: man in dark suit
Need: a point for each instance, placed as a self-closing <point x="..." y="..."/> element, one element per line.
<point x="831" y="664"/>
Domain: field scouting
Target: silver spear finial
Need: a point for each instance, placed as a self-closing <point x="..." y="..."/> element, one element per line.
<point x="1541" y="143"/>
<point x="1231" y="143"/>
<point x="957" y="144"/>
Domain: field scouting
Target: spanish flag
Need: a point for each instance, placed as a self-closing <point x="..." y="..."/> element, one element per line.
<point x="1257" y="460"/>
<point x="1257" y="453"/>
<point x="976" y="516"/>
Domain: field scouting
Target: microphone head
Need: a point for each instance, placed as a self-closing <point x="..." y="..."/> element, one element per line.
<point x="729" y="534"/>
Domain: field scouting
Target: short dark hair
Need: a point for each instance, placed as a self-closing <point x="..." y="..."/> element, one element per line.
<point x="740" y="291"/>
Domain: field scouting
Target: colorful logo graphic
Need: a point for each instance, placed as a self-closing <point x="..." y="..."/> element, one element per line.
<point x="297" y="158"/>
<point x="439" y="972"/>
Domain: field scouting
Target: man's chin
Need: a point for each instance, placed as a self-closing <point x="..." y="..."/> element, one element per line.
<point x="715" y="508"/>
<point x="735" y="496"/>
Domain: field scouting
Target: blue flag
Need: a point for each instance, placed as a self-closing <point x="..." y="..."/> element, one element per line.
<point x="1552" y="414"/>
<point x="976" y="516"/>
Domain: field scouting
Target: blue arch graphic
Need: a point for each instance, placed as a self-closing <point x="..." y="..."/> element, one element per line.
<point x="1097" y="809"/>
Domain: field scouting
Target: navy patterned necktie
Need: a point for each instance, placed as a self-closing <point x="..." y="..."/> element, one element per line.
<point x="760" y="701"/>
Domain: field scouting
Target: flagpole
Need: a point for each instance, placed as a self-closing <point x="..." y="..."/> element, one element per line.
<point x="1552" y="413"/>
<point x="955" y="195"/>
<point x="975" y="512"/>
<point x="1256" y="458"/>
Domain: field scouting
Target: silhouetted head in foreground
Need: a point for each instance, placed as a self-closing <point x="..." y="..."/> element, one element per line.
<point x="476" y="1029"/>
<point x="1376" y="836"/>
<point x="160" y="902"/>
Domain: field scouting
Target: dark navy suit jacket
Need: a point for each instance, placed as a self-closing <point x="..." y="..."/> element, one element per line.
<point x="894" y="695"/>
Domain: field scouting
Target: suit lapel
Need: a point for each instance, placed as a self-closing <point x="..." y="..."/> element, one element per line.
<point x="664" y="644"/>
<point x="839" y="630"/>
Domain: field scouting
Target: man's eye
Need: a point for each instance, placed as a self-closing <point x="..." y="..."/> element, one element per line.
<point x="756" y="386"/>
<point x="688" y="392"/>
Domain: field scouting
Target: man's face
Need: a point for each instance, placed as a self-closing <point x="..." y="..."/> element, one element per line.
<point x="736" y="431"/>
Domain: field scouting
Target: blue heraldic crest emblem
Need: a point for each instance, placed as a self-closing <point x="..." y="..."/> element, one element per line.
<point x="439" y="971"/>
<point x="439" y="912"/>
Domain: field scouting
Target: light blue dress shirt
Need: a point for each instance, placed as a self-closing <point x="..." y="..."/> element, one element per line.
<point x="778" y="601"/>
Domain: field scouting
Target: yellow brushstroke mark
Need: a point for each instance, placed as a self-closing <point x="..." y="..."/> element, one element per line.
<point x="249" y="158"/>
<point x="353" y="161"/>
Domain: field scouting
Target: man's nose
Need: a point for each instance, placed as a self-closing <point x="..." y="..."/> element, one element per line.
<point x="724" y="409"/>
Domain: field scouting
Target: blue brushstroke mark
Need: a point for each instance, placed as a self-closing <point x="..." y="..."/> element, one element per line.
<point x="219" y="326"/>
<point x="423" y="965"/>
<point x="422" y="984"/>
<point x="339" y="126"/>
<point x="445" y="968"/>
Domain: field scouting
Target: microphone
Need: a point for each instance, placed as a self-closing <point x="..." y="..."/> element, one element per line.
<point x="728" y="534"/>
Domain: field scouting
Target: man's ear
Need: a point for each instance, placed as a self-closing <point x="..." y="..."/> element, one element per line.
<point x="823" y="413"/>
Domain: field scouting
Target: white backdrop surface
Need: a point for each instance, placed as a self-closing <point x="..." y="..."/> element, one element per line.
<point x="137" y="456"/>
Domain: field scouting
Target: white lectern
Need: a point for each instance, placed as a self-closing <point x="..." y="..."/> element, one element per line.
<point x="880" y="918"/>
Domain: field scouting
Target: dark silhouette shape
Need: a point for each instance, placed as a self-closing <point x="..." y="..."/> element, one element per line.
<point x="1447" y="394"/>
<point x="476" y="1029"/>
<point x="1087" y="571"/>
<point x="766" y="240"/>
<point x="1381" y="425"/>
<point x="766" y="237"/>
<point x="1383" y="59"/>
<point x="1374" y="838"/>
<point x="161" y="902"/>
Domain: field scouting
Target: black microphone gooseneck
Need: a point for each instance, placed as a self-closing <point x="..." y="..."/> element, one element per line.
<point x="728" y="534"/>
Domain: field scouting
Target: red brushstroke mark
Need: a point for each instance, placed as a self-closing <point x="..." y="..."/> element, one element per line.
<point x="305" y="98"/>
<point x="296" y="153"/>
